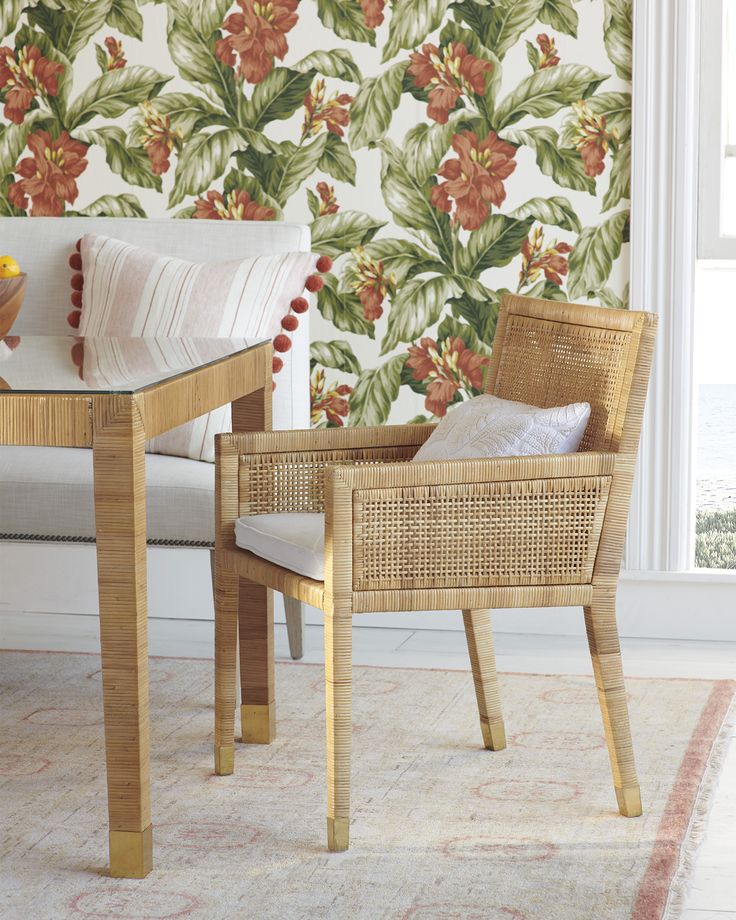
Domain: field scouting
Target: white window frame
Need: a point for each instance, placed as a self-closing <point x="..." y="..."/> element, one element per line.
<point x="713" y="243"/>
<point x="664" y="196"/>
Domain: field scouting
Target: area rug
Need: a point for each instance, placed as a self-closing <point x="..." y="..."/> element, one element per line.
<point x="442" y="829"/>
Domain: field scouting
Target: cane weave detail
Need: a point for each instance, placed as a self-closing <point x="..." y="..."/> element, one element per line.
<point x="545" y="363"/>
<point x="295" y="482"/>
<point x="527" y="532"/>
<point x="464" y="534"/>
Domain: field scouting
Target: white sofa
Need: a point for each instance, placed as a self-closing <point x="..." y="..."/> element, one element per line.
<point x="180" y="502"/>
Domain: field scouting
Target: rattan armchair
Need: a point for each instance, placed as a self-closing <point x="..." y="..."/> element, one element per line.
<point x="540" y="531"/>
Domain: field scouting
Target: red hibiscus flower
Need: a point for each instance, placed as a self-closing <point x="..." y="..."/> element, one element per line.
<point x="258" y="35"/>
<point x="537" y="258"/>
<point x="548" y="56"/>
<point x="321" y="111"/>
<point x="25" y="76"/>
<point x="328" y="202"/>
<point x="593" y="139"/>
<point x="448" y="367"/>
<point x="371" y="284"/>
<point x="159" y="139"/>
<point x="116" y="57"/>
<point x="237" y="206"/>
<point x="475" y="179"/>
<point x="48" y="176"/>
<point x="328" y="401"/>
<point x="450" y="74"/>
<point x="373" y="12"/>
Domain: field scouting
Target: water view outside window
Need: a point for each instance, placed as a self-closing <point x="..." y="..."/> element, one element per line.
<point x="715" y="378"/>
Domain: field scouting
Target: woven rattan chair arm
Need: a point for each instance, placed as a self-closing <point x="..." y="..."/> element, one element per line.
<point x="492" y="469"/>
<point x="509" y="521"/>
<point x="284" y="471"/>
<point x="327" y="439"/>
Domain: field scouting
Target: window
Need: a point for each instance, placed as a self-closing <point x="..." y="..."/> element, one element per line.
<point x="714" y="372"/>
<point x="717" y="191"/>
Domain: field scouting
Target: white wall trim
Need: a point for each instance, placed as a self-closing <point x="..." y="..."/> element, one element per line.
<point x="713" y="242"/>
<point x="663" y="253"/>
<point x="59" y="611"/>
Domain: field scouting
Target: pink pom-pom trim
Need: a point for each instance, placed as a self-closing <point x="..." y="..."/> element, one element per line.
<point x="324" y="264"/>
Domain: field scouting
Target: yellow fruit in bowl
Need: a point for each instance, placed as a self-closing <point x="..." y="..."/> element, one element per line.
<point x="9" y="268"/>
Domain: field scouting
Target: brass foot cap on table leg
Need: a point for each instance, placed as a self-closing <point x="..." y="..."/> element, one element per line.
<point x="629" y="801"/>
<point x="338" y="834"/>
<point x="224" y="759"/>
<point x="258" y="724"/>
<point x="494" y="735"/>
<point x="131" y="853"/>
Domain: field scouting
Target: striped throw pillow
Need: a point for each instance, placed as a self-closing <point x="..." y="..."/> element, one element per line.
<point x="130" y="291"/>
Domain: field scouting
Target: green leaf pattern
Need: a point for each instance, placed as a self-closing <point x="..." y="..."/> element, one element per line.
<point x="337" y="134"/>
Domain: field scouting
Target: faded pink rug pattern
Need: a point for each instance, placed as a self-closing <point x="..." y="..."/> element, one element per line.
<point x="441" y="830"/>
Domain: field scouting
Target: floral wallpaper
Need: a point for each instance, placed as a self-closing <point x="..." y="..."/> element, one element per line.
<point x="444" y="151"/>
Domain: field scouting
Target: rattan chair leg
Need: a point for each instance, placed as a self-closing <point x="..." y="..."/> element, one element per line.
<point x="257" y="681"/>
<point x="226" y="640"/>
<point x="605" y="652"/>
<point x="295" y="619"/>
<point x="483" y="662"/>
<point x="338" y="685"/>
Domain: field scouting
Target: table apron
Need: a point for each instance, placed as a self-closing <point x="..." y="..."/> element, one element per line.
<point x="45" y="421"/>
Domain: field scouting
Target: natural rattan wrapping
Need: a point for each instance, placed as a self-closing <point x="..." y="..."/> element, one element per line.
<point x="464" y="534"/>
<point x="294" y="482"/>
<point x="548" y="362"/>
<point x="532" y="532"/>
<point x="549" y="352"/>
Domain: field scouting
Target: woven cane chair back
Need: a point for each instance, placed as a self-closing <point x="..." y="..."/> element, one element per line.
<point x="551" y="354"/>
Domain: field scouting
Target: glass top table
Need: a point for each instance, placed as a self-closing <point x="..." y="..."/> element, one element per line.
<point x="111" y="395"/>
<point x="47" y="364"/>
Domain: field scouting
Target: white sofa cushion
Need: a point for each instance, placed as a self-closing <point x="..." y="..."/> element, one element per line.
<point x="47" y="493"/>
<point x="487" y="426"/>
<point x="294" y="541"/>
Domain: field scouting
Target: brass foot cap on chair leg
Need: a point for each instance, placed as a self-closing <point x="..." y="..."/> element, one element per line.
<point x="494" y="735"/>
<point x="338" y="834"/>
<point x="224" y="759"/>
<point x="131" y="853"/>
<point x="629" y="801"/>
<point x="258" y="724"/>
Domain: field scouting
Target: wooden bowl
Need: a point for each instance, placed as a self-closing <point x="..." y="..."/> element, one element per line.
<point x="12" y="292"/>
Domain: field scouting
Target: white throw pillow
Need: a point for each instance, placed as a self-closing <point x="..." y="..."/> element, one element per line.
<point x="130" y="291"/>
<point x="487" y="426"/>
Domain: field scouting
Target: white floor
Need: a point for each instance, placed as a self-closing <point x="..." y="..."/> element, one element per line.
<point x="712" y="894"/>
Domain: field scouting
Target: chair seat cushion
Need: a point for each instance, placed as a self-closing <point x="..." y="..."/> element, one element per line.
<point x="47" y="493"/>
<point x="294" y="541"/>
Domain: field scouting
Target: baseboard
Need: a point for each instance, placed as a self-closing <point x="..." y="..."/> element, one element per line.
<point x="60" y="608"/>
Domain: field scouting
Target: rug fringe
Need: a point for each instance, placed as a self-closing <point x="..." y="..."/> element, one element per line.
<point x="695" y="833"/>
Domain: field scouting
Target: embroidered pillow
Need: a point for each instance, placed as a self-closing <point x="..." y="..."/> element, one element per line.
<point x="487" y="426"/>
<point x="128" y="291"/>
